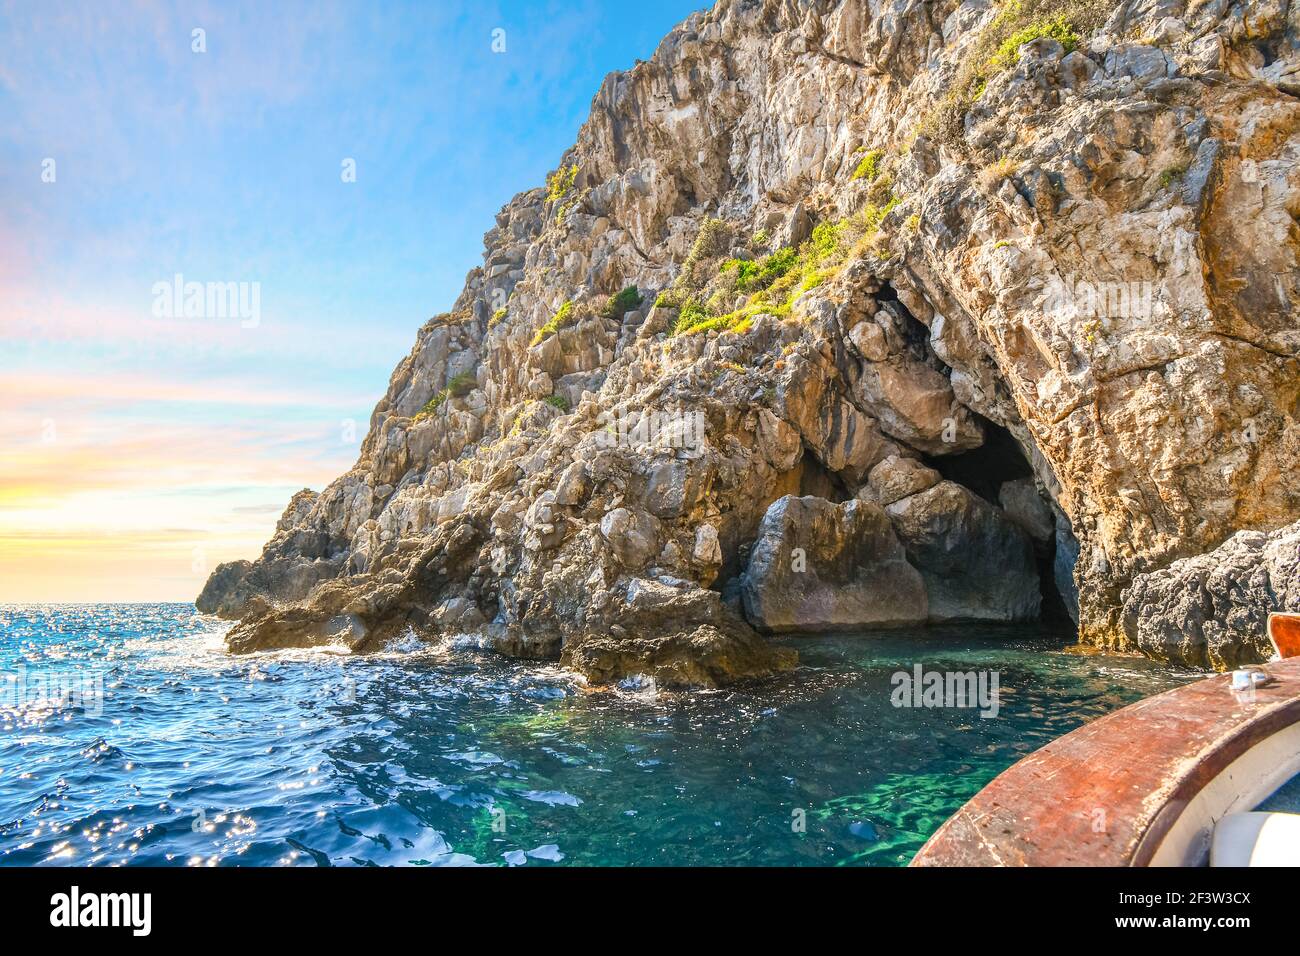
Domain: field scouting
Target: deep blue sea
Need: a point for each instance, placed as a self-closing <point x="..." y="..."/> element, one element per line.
<point x="128" y="736"/>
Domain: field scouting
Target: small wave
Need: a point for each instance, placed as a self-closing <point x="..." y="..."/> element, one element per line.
<point x="469" y="641"/>
<point x="101" y="751"/>
<point x="408" y="644"/>
<point x="476" y="758"/>
<point x="548" y="851"/>
<point x="639" y="685"/>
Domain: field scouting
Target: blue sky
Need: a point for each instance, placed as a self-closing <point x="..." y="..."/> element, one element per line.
<point x="141" y="450"/>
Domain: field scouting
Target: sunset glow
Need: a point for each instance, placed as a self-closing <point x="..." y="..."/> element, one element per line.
<point x="139" y="449"/>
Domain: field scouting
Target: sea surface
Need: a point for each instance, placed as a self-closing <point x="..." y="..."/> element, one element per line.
<point x="128" y="736"/>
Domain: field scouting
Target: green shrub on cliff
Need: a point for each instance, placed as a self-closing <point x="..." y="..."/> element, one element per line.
<point x="870" y="166"/>
<point x="691" y="317"/>
<point x="560" y="182"/>
<point x="459" y="386"/>
<point x="1016" y="23"/>
<point x="462" y="384"/>
<point x="562" y="319"/>
<point x="1057" y="28"/>
<point x="622" y="303"/>
<point x="752" y="275"/>
<point x="1172" y="174"/>
<point x="559" y="187"/>
<point x="668" y="299"/>
<point x="824" y="242"/>
<point x="711" y="241"/>
<point x="773" y="282"/>
<point x="431" y="406"/>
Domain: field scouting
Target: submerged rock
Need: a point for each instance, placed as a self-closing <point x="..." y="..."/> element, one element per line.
<point x="672" y="631"/>
<point x="705" y="657"/>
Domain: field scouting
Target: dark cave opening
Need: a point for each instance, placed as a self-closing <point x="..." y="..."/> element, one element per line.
<point x="1053" y="608"/>
<point x="916" y="335"/>
<point x="984" y="470"/>
<point x="816" y="479"/>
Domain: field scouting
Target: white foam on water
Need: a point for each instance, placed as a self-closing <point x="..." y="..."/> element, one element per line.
<point x="552" y="798"/>
<point x="639" y="685"/>
<point x="407" y="645"/>
<point x="469" y="641"/>
<point x="548" y="851"/>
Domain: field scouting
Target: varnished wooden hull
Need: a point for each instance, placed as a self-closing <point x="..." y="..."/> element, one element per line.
<point x="1284" y="632"/>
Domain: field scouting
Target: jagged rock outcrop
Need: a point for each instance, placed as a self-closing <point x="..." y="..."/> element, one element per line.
<point x="907" y="253"/>
<point x="1211" y="610"/>
<point x="294" y="561"/>
<point x="225" y="593"/>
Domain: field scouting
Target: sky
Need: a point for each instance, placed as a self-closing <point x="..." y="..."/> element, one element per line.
<point x="321" y="174"/>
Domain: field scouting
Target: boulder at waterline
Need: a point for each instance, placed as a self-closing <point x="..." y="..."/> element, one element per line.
<point x="819" y="566"/>
<point x="1212" y="609"/>
<point x="708" y="656"/>
<point x="977" y="565"/>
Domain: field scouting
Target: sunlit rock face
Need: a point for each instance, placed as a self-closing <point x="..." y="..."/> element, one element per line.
<point x="1212" y="609"/>
<point x="818" y="566"/>
<point x="879" y="255"/>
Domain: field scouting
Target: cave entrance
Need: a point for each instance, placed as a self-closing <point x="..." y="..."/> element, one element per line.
<point x="818" y="480"/>
<point x="984" y="470"/>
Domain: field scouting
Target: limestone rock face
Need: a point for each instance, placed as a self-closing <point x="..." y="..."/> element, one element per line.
<point x="977" y="565"/>
<point x="1211" y="610"/>
<point x="1063" y="564"/>
<point x="896" y="478"/>
<point x="1095" y="259"/>
<point x="632" y="535"/>
<point x="817" y="566"/>
<point x="220" y="595"/>
<point x="1024" y="506"/>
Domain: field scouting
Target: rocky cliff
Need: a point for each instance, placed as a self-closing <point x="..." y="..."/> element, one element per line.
<point x="841" y="315"/>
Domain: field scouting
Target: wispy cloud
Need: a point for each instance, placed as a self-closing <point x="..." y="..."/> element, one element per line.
<point x="129" y="442"/>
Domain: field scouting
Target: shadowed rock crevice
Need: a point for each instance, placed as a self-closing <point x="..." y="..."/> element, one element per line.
<point x="985" y="469"/>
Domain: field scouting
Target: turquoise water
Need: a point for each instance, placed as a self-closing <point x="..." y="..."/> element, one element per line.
<point x="450" y="756"/>
<point x="1285" y="799"/>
